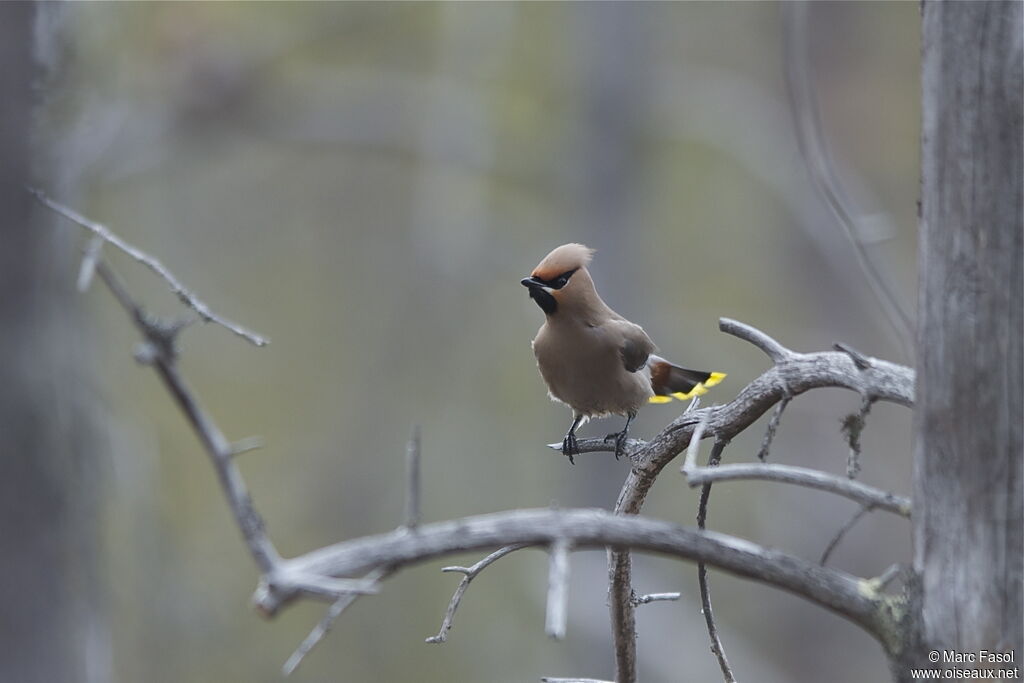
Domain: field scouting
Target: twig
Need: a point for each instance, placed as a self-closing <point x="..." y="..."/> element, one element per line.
<point x="250" y="443"/>
<point x="655" y="597"/>
<point x="321" y="629"/>
<point x="549" y="679"/>
<point x="773" y="425"/>
<point x="470" y="574"/>
<point x="776" y="351"/>
<point x="558" y="590"/>
<point x="714" y="459"/>
<point x="412" y="471"/>
<point x="88" y="267"/>
<point x="185" y="295"/>
<point x="811" y="141"/>
<point x="864" y="509"/>
<point x="882" y="581"/>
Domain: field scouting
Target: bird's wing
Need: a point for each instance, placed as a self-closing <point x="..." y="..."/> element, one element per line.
<point x="635" y="346"/>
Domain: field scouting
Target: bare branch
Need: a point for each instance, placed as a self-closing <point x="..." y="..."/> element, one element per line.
<point x="470" y="574"/>
<point x="321" y="629"/>
<point x="412" y="470"/>
<point x="801" y="476"/>
<point x="549" y="679"/>
<point x="623" y="611"/>
<point x="702" y="571"/>
<point x="558" y="590"/>
<point x="864" y="509"/>
<point x="773" y="425"/>
<point x="590" y="528"/>
<point x="88" y="267"/>
<point x="630" y="446"/>
<point x="776" y="351"/>
<point x="185" y="295"/>
<point x="655" y="597"/>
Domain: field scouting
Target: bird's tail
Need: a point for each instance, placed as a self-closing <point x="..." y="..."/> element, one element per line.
<point x="671" y="381"/>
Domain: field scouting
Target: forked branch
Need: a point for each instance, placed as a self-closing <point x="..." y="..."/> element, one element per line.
<point x="791" y="374"/>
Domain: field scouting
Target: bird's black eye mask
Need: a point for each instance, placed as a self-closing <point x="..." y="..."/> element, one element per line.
<point x="538" y="290"/>
<point x="558" y="282"/>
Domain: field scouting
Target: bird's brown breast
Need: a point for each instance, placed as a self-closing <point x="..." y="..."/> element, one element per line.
<point x="582" y="366"/>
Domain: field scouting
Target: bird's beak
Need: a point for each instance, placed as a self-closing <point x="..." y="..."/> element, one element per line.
<point x="533" y="283"/>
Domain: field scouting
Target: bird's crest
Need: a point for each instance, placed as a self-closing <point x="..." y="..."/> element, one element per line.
<point x="563" y="259"/>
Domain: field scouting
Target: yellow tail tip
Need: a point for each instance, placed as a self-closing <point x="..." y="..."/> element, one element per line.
<point x="699" y="390"/>
<point x="714" y="379"/>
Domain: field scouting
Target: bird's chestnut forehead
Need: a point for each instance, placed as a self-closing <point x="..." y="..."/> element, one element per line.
<point x="563" y="259"/>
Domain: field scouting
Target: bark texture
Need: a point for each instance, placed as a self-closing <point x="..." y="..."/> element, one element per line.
<point x="967" y="465"/>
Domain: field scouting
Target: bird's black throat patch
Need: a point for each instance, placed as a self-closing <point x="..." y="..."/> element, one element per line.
<point x="546" y="302"/>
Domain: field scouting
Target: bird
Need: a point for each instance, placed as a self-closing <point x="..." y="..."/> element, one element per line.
<point x="591" y="358"/>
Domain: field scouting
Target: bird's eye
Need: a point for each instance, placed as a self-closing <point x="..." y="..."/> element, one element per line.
<point x="563" y="279"/>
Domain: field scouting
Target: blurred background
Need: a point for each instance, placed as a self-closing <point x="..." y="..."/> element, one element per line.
<point x="366" y="184"/>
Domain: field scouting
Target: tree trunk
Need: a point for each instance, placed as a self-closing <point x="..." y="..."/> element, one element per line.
<point x="47" y="460"/>
<point x="968" y="551"/>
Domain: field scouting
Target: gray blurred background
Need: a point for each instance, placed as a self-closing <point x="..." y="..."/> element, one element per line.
<point x="366" y="184"/>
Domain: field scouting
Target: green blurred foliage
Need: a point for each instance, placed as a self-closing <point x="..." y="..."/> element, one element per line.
<point x="365" y="183"/>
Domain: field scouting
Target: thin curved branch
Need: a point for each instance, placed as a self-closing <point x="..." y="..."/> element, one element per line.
<point x="702" y="569"/>
<point x="863" y="510"/>
<point x="469" y="573"/>
<point x="589" y="528"/>
<point x="867" y="496"/>
<point x="773" y="426"/>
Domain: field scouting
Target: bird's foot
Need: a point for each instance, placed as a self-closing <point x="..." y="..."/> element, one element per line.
<point x="569" y="447"/>
<point x="620" y="443"/>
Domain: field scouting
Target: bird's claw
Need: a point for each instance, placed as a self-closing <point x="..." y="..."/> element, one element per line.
<point x="570" y="447"/>
<point x="620" y="443"/>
